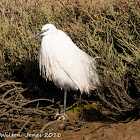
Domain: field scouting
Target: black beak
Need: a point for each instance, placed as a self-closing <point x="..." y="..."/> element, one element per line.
<point x="41" y="32"/>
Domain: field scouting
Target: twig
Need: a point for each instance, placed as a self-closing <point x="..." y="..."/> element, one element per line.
<point x="109" y="104"/>
<point x="48" y="124"/>
<point x="9" y="82"/>
<point x="104" y="125"/>
<point x="12" y="119"/>
<point x="70" y="107"/>
<point x="6" y="112"/>
<point x="37" y="100"/>
<point x="24" y="125"/>
<point x="36" y="111"/>
<point x="11" y="90"/>
<point x="8" y="103"/>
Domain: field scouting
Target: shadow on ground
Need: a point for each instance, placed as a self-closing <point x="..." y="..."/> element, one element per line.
<point x="27" y="72"/>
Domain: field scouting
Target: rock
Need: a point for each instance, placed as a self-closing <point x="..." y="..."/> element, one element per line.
<point x="62" y="126"/>
<point x="69" y="128"/>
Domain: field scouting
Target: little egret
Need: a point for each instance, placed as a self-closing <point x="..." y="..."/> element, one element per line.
<point x="62" y="62"/>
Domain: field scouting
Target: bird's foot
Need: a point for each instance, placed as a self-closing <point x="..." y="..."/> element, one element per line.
<point x="48" y="75"/>
<point x="60" y="116"/>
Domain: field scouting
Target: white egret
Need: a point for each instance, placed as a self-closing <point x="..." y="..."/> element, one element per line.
<point x="62" y="62"/>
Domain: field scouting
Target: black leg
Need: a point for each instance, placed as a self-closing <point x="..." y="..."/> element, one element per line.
<point x="65" y="99"/>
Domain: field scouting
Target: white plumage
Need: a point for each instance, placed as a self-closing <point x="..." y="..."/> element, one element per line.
<point x="62" y="62"/>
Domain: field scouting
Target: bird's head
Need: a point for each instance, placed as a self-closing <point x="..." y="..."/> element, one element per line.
<point x="45" y="30"/>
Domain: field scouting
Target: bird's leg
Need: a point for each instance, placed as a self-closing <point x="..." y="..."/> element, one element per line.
<point x="65" y="99"/>
<point x="63" y="115"/>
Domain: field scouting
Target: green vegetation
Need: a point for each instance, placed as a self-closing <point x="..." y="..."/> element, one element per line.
<point x="108" y="29"/>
